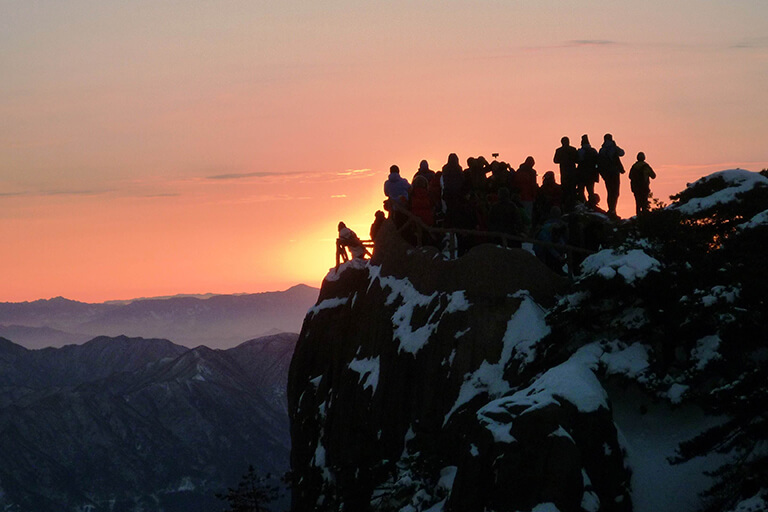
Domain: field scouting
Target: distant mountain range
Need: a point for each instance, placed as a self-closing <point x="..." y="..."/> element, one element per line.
<point x="218" y="321"/>
<point x="123" y="423"/>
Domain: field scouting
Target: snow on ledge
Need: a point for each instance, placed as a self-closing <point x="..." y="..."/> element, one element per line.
<point x="630" y="266"/>
<point x="761" y="219"/>
<point x="737" y="180"/>
<point x="572" y="381"/>
<point x="335" y="273"/>
<point x="328" y="304"/>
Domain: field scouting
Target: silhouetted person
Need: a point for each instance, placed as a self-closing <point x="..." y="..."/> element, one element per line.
<point x="501" y="176"/>
<point x="587" y="228"/>
<point x="396" y="188"/>
<point x="477" y="169"/>
<point x="424" y="171"/>
<point x="525" y="185"/>
<point x="348" y="238"/>
<point x="504" y="216"/>
<point x="567" y="156"/>
<point x="586" y="171"/>
<point x="453" y="188"/>
<point x="378" y="220"/>
<point x="420" y="201"/>
<point x="611" y="169"/>
<point x="593" y="204"/>
<point x="550" y="194"/>
<point x="640" y="176"/>
<point x="436" y="194"/>
<point x="554" y="230"/>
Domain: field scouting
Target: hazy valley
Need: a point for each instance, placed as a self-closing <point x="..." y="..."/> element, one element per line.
<point x="138" y="422"/>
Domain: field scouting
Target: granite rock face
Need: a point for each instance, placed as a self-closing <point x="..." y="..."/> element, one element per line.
<point x="419" y="382"/>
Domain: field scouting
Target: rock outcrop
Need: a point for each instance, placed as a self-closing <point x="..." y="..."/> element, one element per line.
<point x="419" y="382"/>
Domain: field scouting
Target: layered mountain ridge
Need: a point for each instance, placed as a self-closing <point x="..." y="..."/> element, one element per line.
<point x="130" y="423"/>
<point x="218" y="321"/>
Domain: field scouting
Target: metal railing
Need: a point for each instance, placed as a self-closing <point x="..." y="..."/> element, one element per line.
<point x="421" y="228"/>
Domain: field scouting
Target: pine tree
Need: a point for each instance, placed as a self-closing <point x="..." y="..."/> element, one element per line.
<point x="252" y="494"/>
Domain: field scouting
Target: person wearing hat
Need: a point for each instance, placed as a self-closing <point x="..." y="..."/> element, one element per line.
<point x="425" y="171"/>
<point x="396" y="187"/>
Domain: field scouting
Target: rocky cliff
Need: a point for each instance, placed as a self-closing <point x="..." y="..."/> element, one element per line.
<point x="400" y="390"/>
<point x="488" y="383"/>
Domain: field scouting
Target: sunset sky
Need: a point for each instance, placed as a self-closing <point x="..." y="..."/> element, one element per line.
<point x="159" y="147"/>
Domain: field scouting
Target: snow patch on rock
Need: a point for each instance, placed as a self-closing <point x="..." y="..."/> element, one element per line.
<point x="633" y="265"/>
<point x="368" y="370"/>
<point x="737" y="181"/>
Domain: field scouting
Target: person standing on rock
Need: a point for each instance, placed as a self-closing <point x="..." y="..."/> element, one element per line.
<point x="611" y="169"/>
<point x="640" y="176"/>
<point x="586" y="171"/>
<point x="567" y="157"/>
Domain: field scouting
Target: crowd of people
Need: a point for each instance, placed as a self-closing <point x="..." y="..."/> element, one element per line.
<point x="495" y="197"/>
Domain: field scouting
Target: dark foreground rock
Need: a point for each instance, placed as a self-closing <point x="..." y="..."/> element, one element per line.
<point x="418" y="382"/>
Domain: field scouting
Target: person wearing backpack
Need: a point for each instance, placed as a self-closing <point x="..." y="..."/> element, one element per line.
<point x="640" y="176"/>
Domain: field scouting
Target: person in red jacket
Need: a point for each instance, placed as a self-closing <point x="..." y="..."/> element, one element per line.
<point x="421" y="203"/>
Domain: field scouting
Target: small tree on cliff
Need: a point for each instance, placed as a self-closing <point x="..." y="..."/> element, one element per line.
<point x="252" y="494"/>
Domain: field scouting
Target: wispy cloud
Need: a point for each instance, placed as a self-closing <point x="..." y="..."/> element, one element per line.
<point x="55" y="192"/>
<point x="12" y="194"/>
<point x="591" y="42"/>
<point x="304" y="177"/>
<point x="74" y="192"/>
<point x="338" y="196"/>
<point x="576" y="43"/>
<point x="264" y="198"/>
<point x="245" y="175"/>
<point x="356" y="172"/>
<point x="161" y="195"/>
<point x="753" y="42"/>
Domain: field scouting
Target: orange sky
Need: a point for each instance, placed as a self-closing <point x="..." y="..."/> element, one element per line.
<point x="159" y="147"/>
